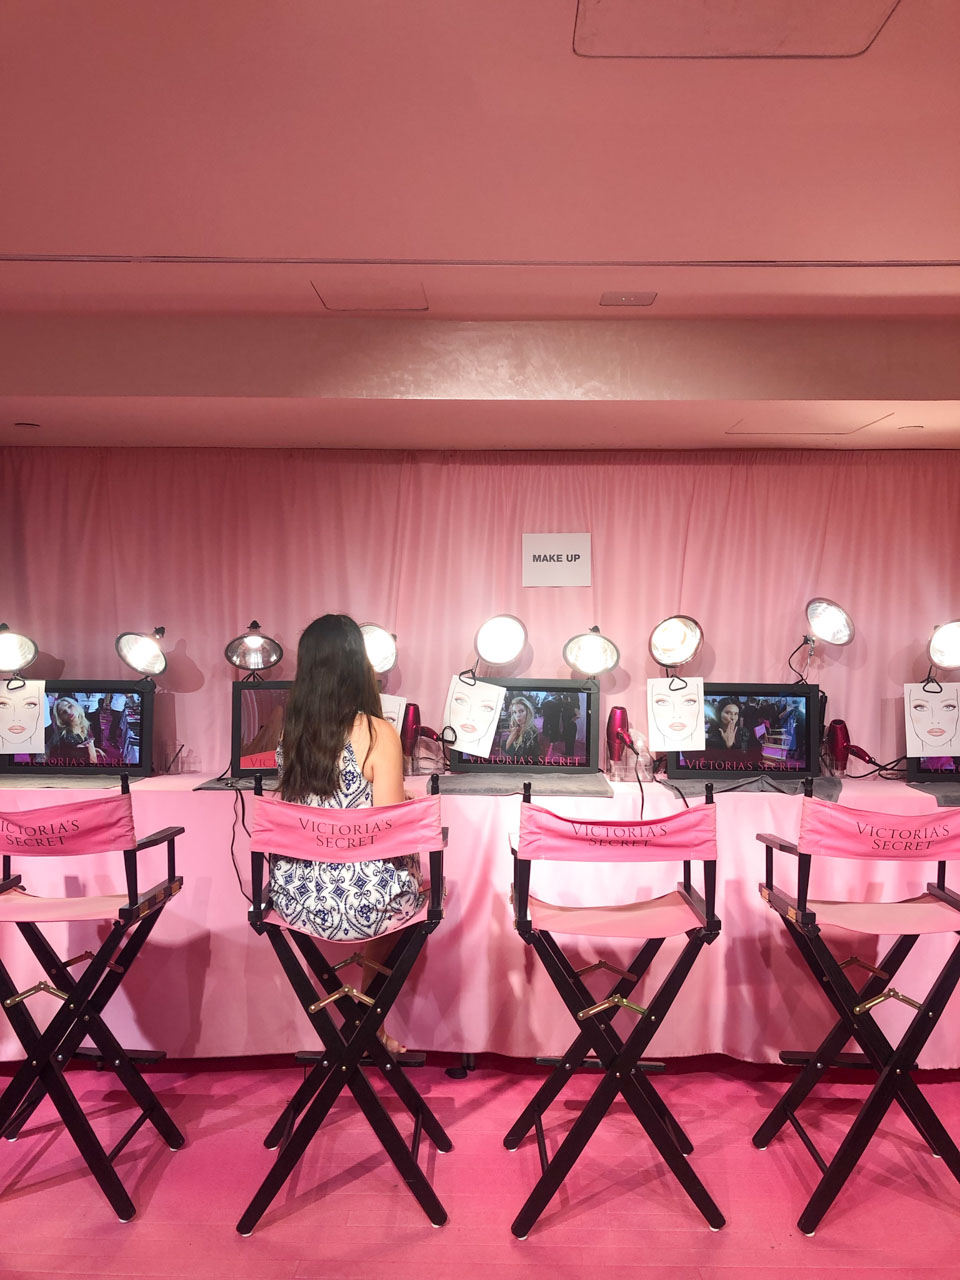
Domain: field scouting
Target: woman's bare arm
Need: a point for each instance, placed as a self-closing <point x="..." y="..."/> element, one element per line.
<point x="386" y="764"/>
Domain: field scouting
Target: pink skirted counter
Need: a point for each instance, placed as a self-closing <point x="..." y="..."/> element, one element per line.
<point x="212" y="988"/>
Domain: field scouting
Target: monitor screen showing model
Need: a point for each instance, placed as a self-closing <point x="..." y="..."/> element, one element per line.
<point x="547" y="725"/>
<point x="90" y="726"/>
<point x="755" y="728"/>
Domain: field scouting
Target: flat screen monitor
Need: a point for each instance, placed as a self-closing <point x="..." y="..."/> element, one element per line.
<point x="91" y="726"/>
<point x="551" y="726"/>
<point x="934" y="769"/>
<point x="755" y="728"/>
<point x="257" y="726"/>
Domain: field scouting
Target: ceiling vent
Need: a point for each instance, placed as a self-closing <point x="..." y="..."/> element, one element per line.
<point x="614" y="298"/>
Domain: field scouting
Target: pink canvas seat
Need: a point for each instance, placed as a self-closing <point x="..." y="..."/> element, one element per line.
<point x="304" y="831"/>
<point x="68" y="830"/>
<point x="835" y="831"/>
<point x="923" y="914"/>
<point x="663" y="917"/>
<point x="17" y="906"/>
<point x="682" y="837"/>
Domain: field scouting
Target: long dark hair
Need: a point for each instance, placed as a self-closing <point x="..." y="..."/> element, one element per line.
<point x="334" y="684"/>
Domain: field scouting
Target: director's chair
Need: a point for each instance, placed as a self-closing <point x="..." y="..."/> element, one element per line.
<point x="61" y="831"/>
<point x="348" y="835"/>
<point x="832" y="831"/>
<point x="686" y="836"/>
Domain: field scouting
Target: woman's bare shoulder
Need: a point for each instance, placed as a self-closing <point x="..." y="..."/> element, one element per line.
<point x="384" y="733"/>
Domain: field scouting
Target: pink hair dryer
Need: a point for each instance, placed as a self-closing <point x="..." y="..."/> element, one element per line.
<point x="618" y="734"/>
<point x="838" y="745"/>
<point x="411" y="731"/>
<point x="409" y="728"/>
<point x="619" y="742"/>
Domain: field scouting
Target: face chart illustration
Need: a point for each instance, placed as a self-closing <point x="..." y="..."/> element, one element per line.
<point x="675" y="714"/>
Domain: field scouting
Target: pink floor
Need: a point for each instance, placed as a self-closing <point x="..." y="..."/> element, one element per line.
<point x="345" y="1215"/>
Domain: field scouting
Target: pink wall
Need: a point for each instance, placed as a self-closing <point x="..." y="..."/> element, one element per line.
<point x="96" y="541"/>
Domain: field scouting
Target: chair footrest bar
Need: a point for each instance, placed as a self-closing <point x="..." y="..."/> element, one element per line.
<point x="412" y="1058"/>
<point x="856" y="1061"/>
<point x="807" y="1141"/>
<point x="594" y="1064"/>
<point x="141" y="1119"/>
<point x="143" y="1056"/>
<point x="541" y="1142"/>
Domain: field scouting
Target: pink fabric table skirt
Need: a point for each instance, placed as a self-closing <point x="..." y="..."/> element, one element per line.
<point x="207" y="986"/>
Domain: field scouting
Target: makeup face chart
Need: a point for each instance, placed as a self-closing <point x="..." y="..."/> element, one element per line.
<point x="21" y="717"/>
<point x="472" y="711"/>
<point x="931" y="719"/>
<point x="675" y="719"/>
<point x="393" y="708"/>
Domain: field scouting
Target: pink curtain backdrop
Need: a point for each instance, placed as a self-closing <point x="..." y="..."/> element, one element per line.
<point x="428" y="544"/>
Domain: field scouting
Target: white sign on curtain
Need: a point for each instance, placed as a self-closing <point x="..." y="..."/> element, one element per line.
<point x="931" y="719"/>
<point x="21" y="717"/>
<point x="556" y="560"/>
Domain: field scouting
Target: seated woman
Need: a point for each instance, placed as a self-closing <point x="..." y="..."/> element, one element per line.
<point x="338" y="752"/>
<point x="69" y="738"/>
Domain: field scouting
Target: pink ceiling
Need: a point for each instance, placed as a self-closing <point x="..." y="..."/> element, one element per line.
<point x="466" y="161"/>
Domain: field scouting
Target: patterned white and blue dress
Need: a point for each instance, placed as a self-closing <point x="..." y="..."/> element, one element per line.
<point x="350" y="901"/>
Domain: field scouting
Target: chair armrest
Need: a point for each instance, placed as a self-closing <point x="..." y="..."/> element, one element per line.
<point x="775" y="842"/>
<point x="167" y="836"/>
<point x="258" y="864"/>
<point x="435" y="911"/>
<point x="949" y="896"/>
<point x="146" y="903"/>
<point x="159" y="837"/>
<point x="793" y="908"/>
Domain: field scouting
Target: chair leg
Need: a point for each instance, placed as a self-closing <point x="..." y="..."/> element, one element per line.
<point x="551" y="1088"/>
<point x="621" y="1076"/>
<point x="604" y="1025"/>
<point x="821" y="1061"/>
<point x="577" y="997"/>
<point x="398" y="1151"/>
<point x="576" y="1140"/>
<point x="875" y="1045"/>
<point x="89" y="1146"/>
<point x="91" y="1024"/>
<point x="23" y="1113"/>
<point x="605" y="1041"/>
<point x="893" y="1065"/>
<point x="344" y="1049"/>
<point x="566" y="1156"/>
<point x="379" y="1054"/>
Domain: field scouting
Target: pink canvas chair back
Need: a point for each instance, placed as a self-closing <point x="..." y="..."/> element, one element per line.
<point x="345" y="835"/>
<point x="63" y="830"/>
<point x="689" y="834"/>
<point x="834" y="831"/>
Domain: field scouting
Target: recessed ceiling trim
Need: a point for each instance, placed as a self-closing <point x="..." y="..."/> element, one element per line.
<point x="614" y="263"/>
<point x="370" y="305"/>
<point x="625" y="30"/>
<point x="851" y="431"/>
